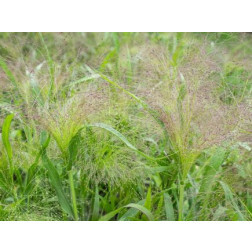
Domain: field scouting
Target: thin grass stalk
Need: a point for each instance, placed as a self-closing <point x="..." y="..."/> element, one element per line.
<point x="73" y="195"/>
<point x="51" y="67"/>
<point x="181" y="201"/>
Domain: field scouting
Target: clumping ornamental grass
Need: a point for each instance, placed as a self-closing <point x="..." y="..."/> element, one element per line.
<point x="125" y="126"/>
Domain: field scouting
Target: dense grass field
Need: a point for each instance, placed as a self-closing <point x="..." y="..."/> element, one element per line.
<point x="126" y="126"/>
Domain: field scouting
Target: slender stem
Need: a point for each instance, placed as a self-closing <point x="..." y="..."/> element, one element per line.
<point x="74" y="203"/>
<point x="181" y="201"/>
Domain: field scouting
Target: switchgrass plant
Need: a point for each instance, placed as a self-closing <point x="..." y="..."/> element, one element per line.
<point x="125" y="126"/>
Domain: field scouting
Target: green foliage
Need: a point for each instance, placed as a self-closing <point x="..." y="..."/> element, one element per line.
<point x="138" y="207"/>
<point x="169" y="211"/>
<point x="236" y="83"/>
<point x="6" y="140"/>
<point x="125" y="126"/>
<point x="56" y="183"/>
<point x="8" y="72"/>
<point x="96" y="207"/>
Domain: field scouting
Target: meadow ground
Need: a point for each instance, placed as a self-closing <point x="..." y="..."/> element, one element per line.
<point x="125" y="126"/>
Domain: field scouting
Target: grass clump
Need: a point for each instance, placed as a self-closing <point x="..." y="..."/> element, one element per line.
<point x="125" y="126"/>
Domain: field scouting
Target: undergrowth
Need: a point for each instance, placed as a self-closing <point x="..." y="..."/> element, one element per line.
<point x="125" y="126"/>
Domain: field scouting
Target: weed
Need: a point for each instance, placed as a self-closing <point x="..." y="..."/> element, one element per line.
<point x="125" y="126"/>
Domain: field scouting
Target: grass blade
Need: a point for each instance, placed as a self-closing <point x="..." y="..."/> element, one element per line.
<point x="152" y="112"/>
<point x="110" y="215"/>
<point x="56" y="183"/>
<point x="95" y="214"/>
<point x="114" y="132"/>
<point x="148" y="202"/>
<point x="73" y="149"/>
<point x="131" y="212"/>
<point x="138" y="207"/>
<point x="6" y="140"/>
<point x="142" y="209"/>
<point x="8" y="72"/>
<point x="84" y="79"/>
<point x="4" y="184"/>
<point x="73" y="195"/>
<point x="123" y="139"/>
<point x="211" y="169"/>
<point x="169" y="211"/>
<point x="44" y="141"/>
<point x="230" y="198"/>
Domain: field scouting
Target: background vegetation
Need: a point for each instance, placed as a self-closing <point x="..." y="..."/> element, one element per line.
<point x="125" y="126"/>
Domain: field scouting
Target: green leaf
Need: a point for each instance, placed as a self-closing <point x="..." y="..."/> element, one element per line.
<point x="138" y="207"/>
<point x="44" y="142"/>
<point x="116" y="133"/>
<point x="159" y="209"/>
<point x="169" y="211"/>
<point x="131" y="212"/>
<point x="182" y="92"/>
<point x="56" y="183"/>
<point x="147" y="203"/>
<point x="142" y="209"/>
<point x="5" y="138"/>
<point x="95" y="214"/>
<point x="122" y="138"/>
<point x="107" y="59"/>
<point x="83" y="79"/>
<point x="8" y="72"/>
<point x="217" y="158"/>
<point x="152" y="112"/>
<point x="3" y="183"/>
<point x="110" y="215"/>
<point x="230" y="199"/>
<point x="73" y="149"/>
<point x="211" y="168"/>
<point x="73" y="195"/>
<point x="160" y="169"/>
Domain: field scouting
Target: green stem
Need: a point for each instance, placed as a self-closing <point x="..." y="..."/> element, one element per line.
<point x="181" y="200"/>
<point x="74" y="204"/>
